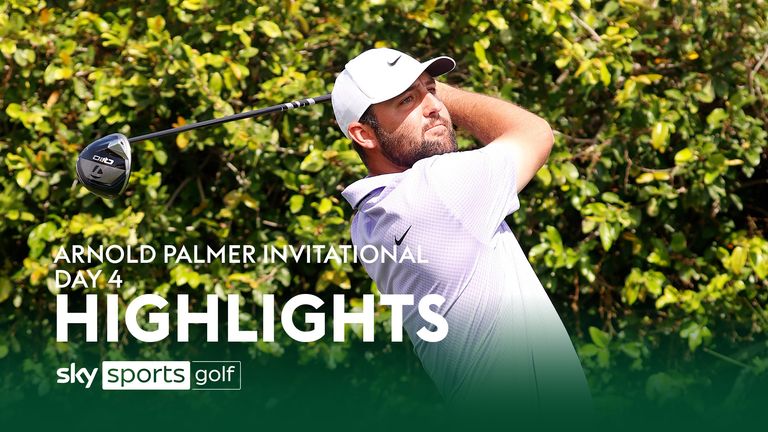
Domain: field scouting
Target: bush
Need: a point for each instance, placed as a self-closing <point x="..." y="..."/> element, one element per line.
<point x="647" y="225"/>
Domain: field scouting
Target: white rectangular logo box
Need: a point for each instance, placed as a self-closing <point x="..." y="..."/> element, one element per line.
<point x="145" y="375"/>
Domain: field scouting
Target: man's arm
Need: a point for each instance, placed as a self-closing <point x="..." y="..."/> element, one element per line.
<point x="497" y="122"/>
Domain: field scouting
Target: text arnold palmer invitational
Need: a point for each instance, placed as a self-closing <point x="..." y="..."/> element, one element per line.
<point x="238" y="254"/>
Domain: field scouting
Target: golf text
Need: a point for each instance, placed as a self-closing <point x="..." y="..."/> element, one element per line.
<point x="159" y="320"/>
<point x="156" y="375"/>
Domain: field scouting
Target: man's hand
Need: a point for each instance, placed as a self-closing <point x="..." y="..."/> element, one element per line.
<point x="496" y="122"/>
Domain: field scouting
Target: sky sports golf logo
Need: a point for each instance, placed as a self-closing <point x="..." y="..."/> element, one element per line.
<point x="156" y="375"/>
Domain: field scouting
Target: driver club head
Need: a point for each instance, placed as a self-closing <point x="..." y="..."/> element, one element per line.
<point x="104" y="166"/>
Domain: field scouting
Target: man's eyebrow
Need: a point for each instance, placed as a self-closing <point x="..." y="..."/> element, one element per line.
<point x="415" y="84"/>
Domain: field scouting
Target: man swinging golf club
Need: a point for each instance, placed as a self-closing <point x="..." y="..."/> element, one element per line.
<point x="506" y="347"/>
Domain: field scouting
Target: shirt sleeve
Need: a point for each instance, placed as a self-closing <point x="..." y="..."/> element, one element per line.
<point x="477" y="187"/>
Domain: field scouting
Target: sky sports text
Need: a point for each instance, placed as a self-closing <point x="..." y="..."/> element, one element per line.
<point x="156" y="375"/>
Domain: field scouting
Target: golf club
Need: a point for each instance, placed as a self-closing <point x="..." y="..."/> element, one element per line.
<point x="104" y="166"/>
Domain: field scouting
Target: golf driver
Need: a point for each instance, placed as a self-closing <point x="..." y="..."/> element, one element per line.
<point x="104" y="166"/>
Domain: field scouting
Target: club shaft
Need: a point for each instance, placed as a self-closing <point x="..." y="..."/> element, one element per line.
<point x="243" y="115"/>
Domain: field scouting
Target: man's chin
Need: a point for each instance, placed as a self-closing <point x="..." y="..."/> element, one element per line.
<point x="429" y="147"/>
<point x="435" y="148"/>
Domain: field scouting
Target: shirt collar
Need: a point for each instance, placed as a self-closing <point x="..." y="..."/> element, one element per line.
<point x="361" y="189"/>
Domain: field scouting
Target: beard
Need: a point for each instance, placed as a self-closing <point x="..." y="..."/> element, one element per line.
<point x="399" y="150"/>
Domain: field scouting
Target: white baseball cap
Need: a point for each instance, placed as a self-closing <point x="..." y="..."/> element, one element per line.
<point x="375" y="76"/>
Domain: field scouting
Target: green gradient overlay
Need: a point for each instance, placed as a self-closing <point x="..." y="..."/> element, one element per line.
<point x="382" y="392"/>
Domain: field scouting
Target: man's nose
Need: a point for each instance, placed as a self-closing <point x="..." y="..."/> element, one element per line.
<point x="432" y="105"/>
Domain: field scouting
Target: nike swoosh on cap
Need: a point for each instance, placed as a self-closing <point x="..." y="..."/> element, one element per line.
<point x="393" y="62"/>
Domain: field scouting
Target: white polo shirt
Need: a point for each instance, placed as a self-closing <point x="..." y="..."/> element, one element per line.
<point x="504" y="337"/>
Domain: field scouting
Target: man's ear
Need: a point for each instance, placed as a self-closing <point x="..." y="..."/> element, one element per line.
<point x="363" y="135"/>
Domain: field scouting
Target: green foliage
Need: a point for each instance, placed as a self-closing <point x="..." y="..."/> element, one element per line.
<point x="647" y="225"/>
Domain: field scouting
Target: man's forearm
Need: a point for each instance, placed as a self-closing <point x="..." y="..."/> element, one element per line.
<point x="492" y="120"/>
<point x="487" y="118"/>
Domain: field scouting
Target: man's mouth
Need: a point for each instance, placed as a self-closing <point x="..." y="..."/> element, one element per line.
<point x="434" y="126"/>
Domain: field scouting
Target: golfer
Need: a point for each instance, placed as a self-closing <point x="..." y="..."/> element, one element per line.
<point x="506" y="344"/>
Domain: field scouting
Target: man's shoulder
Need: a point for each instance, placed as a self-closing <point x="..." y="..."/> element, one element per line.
<point x="363" y="189"/>
<point x="438" y="175"/>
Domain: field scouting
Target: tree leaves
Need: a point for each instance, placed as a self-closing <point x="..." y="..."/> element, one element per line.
<point x="648" y="218"/>
<point x="270" y="29"/>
